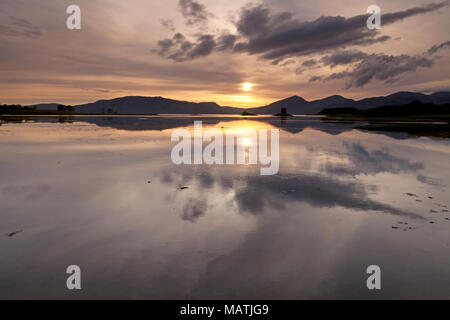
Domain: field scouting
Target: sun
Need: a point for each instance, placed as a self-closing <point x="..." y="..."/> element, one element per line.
<point x="246" y="86"/>
<point x="246" y="142"/>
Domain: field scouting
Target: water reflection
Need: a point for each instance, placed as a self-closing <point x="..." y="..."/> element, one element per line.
<point x="103" y="194"/>
<point x="362" y="161"/>
<point x="159" y="123"/>
<point x="254" y="193"/>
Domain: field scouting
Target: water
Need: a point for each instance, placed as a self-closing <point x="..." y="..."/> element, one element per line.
<point x="102" y="193"/>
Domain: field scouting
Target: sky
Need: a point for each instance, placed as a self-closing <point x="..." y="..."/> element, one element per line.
<point x="235" y="52"/>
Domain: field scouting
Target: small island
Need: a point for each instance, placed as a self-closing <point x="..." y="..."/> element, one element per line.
<point x="245" y="114"/>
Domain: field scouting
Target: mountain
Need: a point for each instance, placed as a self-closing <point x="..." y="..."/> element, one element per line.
<point x="415" y="108"/>
<point x="441" y="97"/>
<point x="297" y="105"/>
<point x="399" y="98"/>
<point x="154" y="105"/>
<point x="294" y="105"/>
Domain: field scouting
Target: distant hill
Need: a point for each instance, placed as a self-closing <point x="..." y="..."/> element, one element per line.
<point x="294" y="105"/>
<point x="297" y="105"/>
<point x="401" y="98"/>
<point x="154" y="105"/>
<point x="415" y="108"/>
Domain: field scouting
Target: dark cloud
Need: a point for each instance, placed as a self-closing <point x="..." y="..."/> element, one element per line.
<point x="382" y="67"/>
<point x="430" y="181"/>
<point x="226" y="42"/>
<point x="309" y="63"/>
<point x="338" y="75"/>
<point x="315" y="78"/>
<point x="377" y="66"/>
<point x="204" y="46"/>
<point x="436" y="48"/>
<point x="278" y="36"/>
<point x="20" y="28"/>
<point x="180" y="49"/>
<point x="168" y="24"/>
<point x="343" y="58"/>
<point x="299" y="70"/>
<point x="194" y="12"/>
<point x="389" y="18"/>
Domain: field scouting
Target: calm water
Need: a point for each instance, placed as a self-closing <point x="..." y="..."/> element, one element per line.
<point x="344" y="199"/>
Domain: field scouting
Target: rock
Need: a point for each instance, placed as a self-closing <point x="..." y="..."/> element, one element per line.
<point x="12" y="234"/>
<point x="411" y="194"/>
<point x="183" y="188"/>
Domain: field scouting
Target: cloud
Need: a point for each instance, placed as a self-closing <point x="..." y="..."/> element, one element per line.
<point x="280" y="35"/>
<point x="226" y="41"/>
<point x="277" y="36"/>
<point x="203" y="47"/>
<point x="389" y="18"/>
<point x="194" y="13"/>
<point x="379" y="66"/>
<point x="343" y="58"/>
<point x="180" y="49"/>
<point x="436" y="48"/>
<point x="309" y="63"/>
<point x="315" y="78"/>
<point x="168" y="24"/>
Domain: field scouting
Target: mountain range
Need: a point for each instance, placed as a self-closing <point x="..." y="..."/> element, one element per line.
<point x="294" y="105"/>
